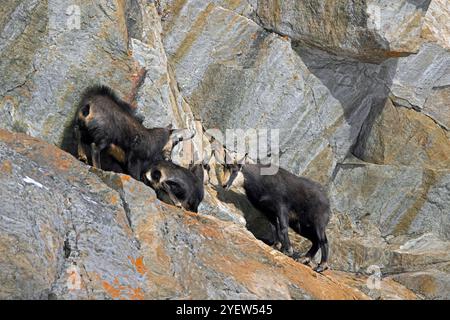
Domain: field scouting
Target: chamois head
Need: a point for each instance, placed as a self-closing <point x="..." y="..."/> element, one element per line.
<point x="233" y="173"/>
<point x="175" y="185"/>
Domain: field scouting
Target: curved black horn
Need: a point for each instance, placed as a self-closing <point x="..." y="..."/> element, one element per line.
<point x="182" y="135"/>
<point x="220" y="161"/>
<point x="244" y="159"/>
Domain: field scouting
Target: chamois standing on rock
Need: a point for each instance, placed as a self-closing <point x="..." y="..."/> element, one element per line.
<point x="177" y="185"/>
<point x="106" y="123"/>
<point x="286" y="200"/>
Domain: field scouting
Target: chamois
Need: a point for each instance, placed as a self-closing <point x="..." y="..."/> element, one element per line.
<point x="286" y="200"/>
<point x="109" y="125"/>
<point x="177" y="185"/>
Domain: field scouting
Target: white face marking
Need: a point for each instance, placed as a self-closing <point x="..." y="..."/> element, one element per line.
<point x="154" y="183"/>
<point x="205" y="176"/>
<point x="239" y="181"/>
<point x="148" y="175"/>
<point x="225" y="176"/>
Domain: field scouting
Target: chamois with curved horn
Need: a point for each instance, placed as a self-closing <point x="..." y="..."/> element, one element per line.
<point x="176" y="185"/>
<point x="105" y="122"/>
<point x="286" y="200"/>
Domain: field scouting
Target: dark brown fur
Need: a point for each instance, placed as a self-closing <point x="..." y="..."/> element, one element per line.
<point x="288" y="200"/>
<point x="177" y="185"/>
<point x="103" y="122"/>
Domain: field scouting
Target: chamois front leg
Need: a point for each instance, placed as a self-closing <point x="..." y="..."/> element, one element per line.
<point x="96" y="150"/>
<point x="81" y="152"/>
<point x="172" y="197"/>
<point x="274" y="226"/>
<point x="134" y="166"/>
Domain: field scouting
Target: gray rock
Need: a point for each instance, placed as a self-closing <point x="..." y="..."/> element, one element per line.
<point x="62" y="50"/>
<point x="64" y="233"/>
<point x="411" y="197"/>
<point x="362" y="29"/>
<point x="421" y="82"/>
<point x="432" y="283"/>
<point x="235" y="74"/>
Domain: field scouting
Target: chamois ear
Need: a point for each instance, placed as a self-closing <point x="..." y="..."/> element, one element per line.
<point x="213" y="154"/>
<point x="206" y="160"/>
<point x="243" y="161"/>
<point x="228" y="157"/>
<point x="169" y="127"/>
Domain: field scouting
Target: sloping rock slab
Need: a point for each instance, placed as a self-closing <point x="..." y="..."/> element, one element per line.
<point x="65" y="233"/>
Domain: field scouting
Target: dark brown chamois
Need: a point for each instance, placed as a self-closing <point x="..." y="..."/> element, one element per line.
<point x="109" y="125"/>
<point x="286" y="200"/>
<point x="177" y="185"/>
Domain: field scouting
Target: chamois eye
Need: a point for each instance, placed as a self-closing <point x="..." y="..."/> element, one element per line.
<point x="156" y="175"/>
<point x="86" y="110"/>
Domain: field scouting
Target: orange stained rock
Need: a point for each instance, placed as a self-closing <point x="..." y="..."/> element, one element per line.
<point x="138" y="263"/>
<point x="125" y="178"/>
<point x="114" y="199"/>
<point x="121" y="292"/>
<point x="6" y="167"/>
<point x="111" y="289"/>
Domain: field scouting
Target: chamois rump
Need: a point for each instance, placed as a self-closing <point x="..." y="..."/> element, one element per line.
<point x="286" y="200"/>
<point x="109" y="126"/>
<point x="177" y="185"/>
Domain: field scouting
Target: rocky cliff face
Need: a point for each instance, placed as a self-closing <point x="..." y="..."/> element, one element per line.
<point x="359" y="91"/>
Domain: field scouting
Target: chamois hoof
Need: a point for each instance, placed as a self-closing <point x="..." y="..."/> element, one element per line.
<point x="277" y="246"/>
<point x="305" y="261"/>
<point x="178" y="205"/>
<point x="321" y="267"/>
<point x="289" y="252"/>
<point x="83" y="159"/>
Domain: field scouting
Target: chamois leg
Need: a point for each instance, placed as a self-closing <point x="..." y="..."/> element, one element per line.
<point x="172" y="197"/>
<point x="81" y="152"/>
<point x="283" y="221"/>
<point x="134" y="167"/>
<point x="323" y="241"/>
<point x="274" y="227"/>
<point x="311" y="252"/>
<point x="96" y="150"/>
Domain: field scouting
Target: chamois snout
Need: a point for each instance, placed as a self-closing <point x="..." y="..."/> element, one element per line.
<point x="235" y="178"/>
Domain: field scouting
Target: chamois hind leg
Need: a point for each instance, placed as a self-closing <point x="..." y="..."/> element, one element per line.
<point x="310" y="234"/>
<point x="283" y="224"/>
<point x="323" y="241"/>
<point x="311" y="252"/>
